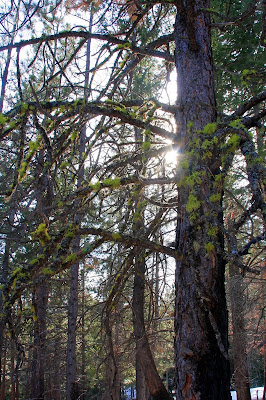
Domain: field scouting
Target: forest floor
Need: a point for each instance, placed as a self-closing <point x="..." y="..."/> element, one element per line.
<point x="256" y="393"/>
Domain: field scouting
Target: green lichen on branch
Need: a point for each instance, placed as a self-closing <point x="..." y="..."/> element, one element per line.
<point x="194" y="179"/>
<point x="215" y="198"/>
<point x="209" y="247"/>
<point x="41" y="233"/>
<point x="112" y="183"/>
<point x="123" y="46"/>
<point x="16" y="272"/>
<point x="193" y="203"/>
<point x="36" y="260"/>
<point x="22" y="171"/>
<point x="71" y="231"/>
<point x="210" y="128"/>
<point x="34" y="146"/>
<point x="230" y="147"/>
<point x="2" y="120"/>
<point x="237" y="123"/>
<point x="71" y="258"/>
<point x="146" y="145"/>
<point x="95" y="186"/>
<point x="212" y="231"/>
<point x="47" y="271"/>
<point x="116" y="236"/>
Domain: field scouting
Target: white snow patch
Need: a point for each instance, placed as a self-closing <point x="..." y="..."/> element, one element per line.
<point x="256" y="393"/>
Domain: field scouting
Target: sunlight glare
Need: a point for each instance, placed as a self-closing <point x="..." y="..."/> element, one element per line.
<point x="171" y="157"/>
<point x="169" y="93"/>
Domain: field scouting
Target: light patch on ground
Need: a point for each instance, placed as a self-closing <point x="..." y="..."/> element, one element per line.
<point x="256" y="394"/>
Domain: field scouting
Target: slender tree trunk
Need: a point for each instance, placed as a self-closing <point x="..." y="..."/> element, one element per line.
<point x="12" y="367"/>
<point x="3" y="375"/>
<point x="264" y="324"/>
<point x="111" y="360"/>
<point x="202" y="367"/>
<point x="239" y="334"/>
<point x="28" y="377"/>
<point x="83" y="338"/>
<point x="40" y="301"/>
<point x="113" y="331"/>
<point x="145" y="361"/>
<point x="72" y="390"/>
<point x="117" y="381"/>
<point x="44" y="196"/>
<point x="4" y="272"/>
<point x="56" y="374"/>
<point x="144" y="354"/>
<point x="8" y="58"/>
<point x="141" y="385"/>
<point x="4" y="277"/>
<point x="3" y="310"/>
<point x="138" y="296"/>
<point x="4" y="78"/>
<point x="14" y="376"/>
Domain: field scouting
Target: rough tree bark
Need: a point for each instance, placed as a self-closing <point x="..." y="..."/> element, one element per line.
<point x="202" y="368"/>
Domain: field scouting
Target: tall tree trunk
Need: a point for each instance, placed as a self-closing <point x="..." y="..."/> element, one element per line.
<point x="239" y="334"/>
<point x="144" y="358"/>
<point x="4" y="277"/>
<point x="3" y="374"/>
<point x="5" y="266"/>
<point x="40" y="301"/>
<point x="264" y="324"/>
<point x="111" y="371"/>
<point x="83" y="337"/>
<point x="72" y="390"/>
<point x="14" y="376"/>
<point x="12" y="367"/>
<point x="141" y="385"/>
<point x="117" y="380"/>
<point x="202" y="367"/>
<point x="44" y="196"/>
<point x="144" y="354"/>
<point x="28" y="377"/>
<point x="113" y="327"/>
<point x="4" y="79"/>
<point x="3" y="311"/>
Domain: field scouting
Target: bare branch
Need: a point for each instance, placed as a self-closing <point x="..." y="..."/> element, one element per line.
<point x="148" y="51"/>
<point x="128" y="240"/>
<point x="259" y="98"/>
<point x="79" y="108"/>
<point x="255" y="240"/>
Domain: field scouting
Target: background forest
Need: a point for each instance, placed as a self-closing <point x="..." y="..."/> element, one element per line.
<point x="99" y="185"/>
